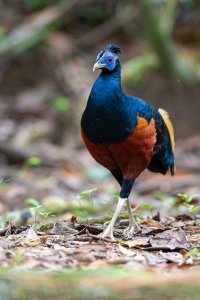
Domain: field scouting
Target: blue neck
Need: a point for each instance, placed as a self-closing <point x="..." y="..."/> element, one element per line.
<point x="107" y="117"/>
<point x="109" y="84"/>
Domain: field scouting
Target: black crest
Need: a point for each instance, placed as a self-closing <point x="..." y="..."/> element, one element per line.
<point x="113" y="48"/>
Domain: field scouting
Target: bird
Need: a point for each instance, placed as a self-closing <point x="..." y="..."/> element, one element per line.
<point x="124" y="133"/>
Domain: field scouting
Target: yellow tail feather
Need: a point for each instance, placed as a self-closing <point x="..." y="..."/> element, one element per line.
<point x="169" y="125"/>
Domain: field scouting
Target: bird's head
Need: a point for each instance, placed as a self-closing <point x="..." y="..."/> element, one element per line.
<point x="107" y="60"/>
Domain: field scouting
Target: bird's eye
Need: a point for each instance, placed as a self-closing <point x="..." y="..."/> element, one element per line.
<point x="110" y="59"/>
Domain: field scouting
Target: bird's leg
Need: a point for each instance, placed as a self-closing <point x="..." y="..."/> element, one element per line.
<point x="108" y="232"/>
<point x="126" y="187"/>
<point x="132" y="222"/>
<point x="125" y="192"/>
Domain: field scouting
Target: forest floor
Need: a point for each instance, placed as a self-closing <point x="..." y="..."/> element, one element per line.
<point x="51" y="223"/>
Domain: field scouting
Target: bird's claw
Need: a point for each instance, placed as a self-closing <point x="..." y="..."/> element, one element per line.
<point x="108" y="234"/>
<point x="132" y="229"/>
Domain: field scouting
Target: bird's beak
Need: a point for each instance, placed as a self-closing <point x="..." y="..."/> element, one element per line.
<point x="98" y="65"/>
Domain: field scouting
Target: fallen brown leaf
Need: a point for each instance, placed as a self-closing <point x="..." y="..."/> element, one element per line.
<point x="32" y="239"/>
<point x="153" y="258"/>
<point x="170" y="239"/>
<point x="192" y="229"/>
<point x="175" y="257"/>
<point x="152" y="223"/>
<point x="139" y="241"/>
<point x="126" y="251"/>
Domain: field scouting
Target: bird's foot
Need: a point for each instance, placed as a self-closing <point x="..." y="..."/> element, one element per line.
<point x="108" y="234"/>
<point x="132" y="229"/>
<point x="135" y="226"/>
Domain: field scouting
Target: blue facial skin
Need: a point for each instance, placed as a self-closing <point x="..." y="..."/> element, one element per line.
<point x="109" y="59"/>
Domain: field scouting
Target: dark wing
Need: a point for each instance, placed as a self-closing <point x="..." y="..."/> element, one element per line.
<point x="163" y="158"/>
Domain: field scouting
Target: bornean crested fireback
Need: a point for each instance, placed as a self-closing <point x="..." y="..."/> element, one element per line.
<point x="123" y="133"/>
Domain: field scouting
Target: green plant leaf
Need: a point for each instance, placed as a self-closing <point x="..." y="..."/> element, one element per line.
<point x="45" y="214"/>
<point x="61" y="104"/>
<point x="33" y="202"/>
<point x="116" y="196"/>
<point x="2" y="32"/>
<point x="85" y="193"/>
<point x="192" y="208"/>
<point x="194" y="250"/>
<point x="33" y="161"/>
<point x="183" y="197"/>
<point x="146" y="206"/>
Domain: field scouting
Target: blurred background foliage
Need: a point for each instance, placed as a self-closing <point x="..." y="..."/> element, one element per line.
<point x="47" y="177"/>
<point x="47" y="51"/>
